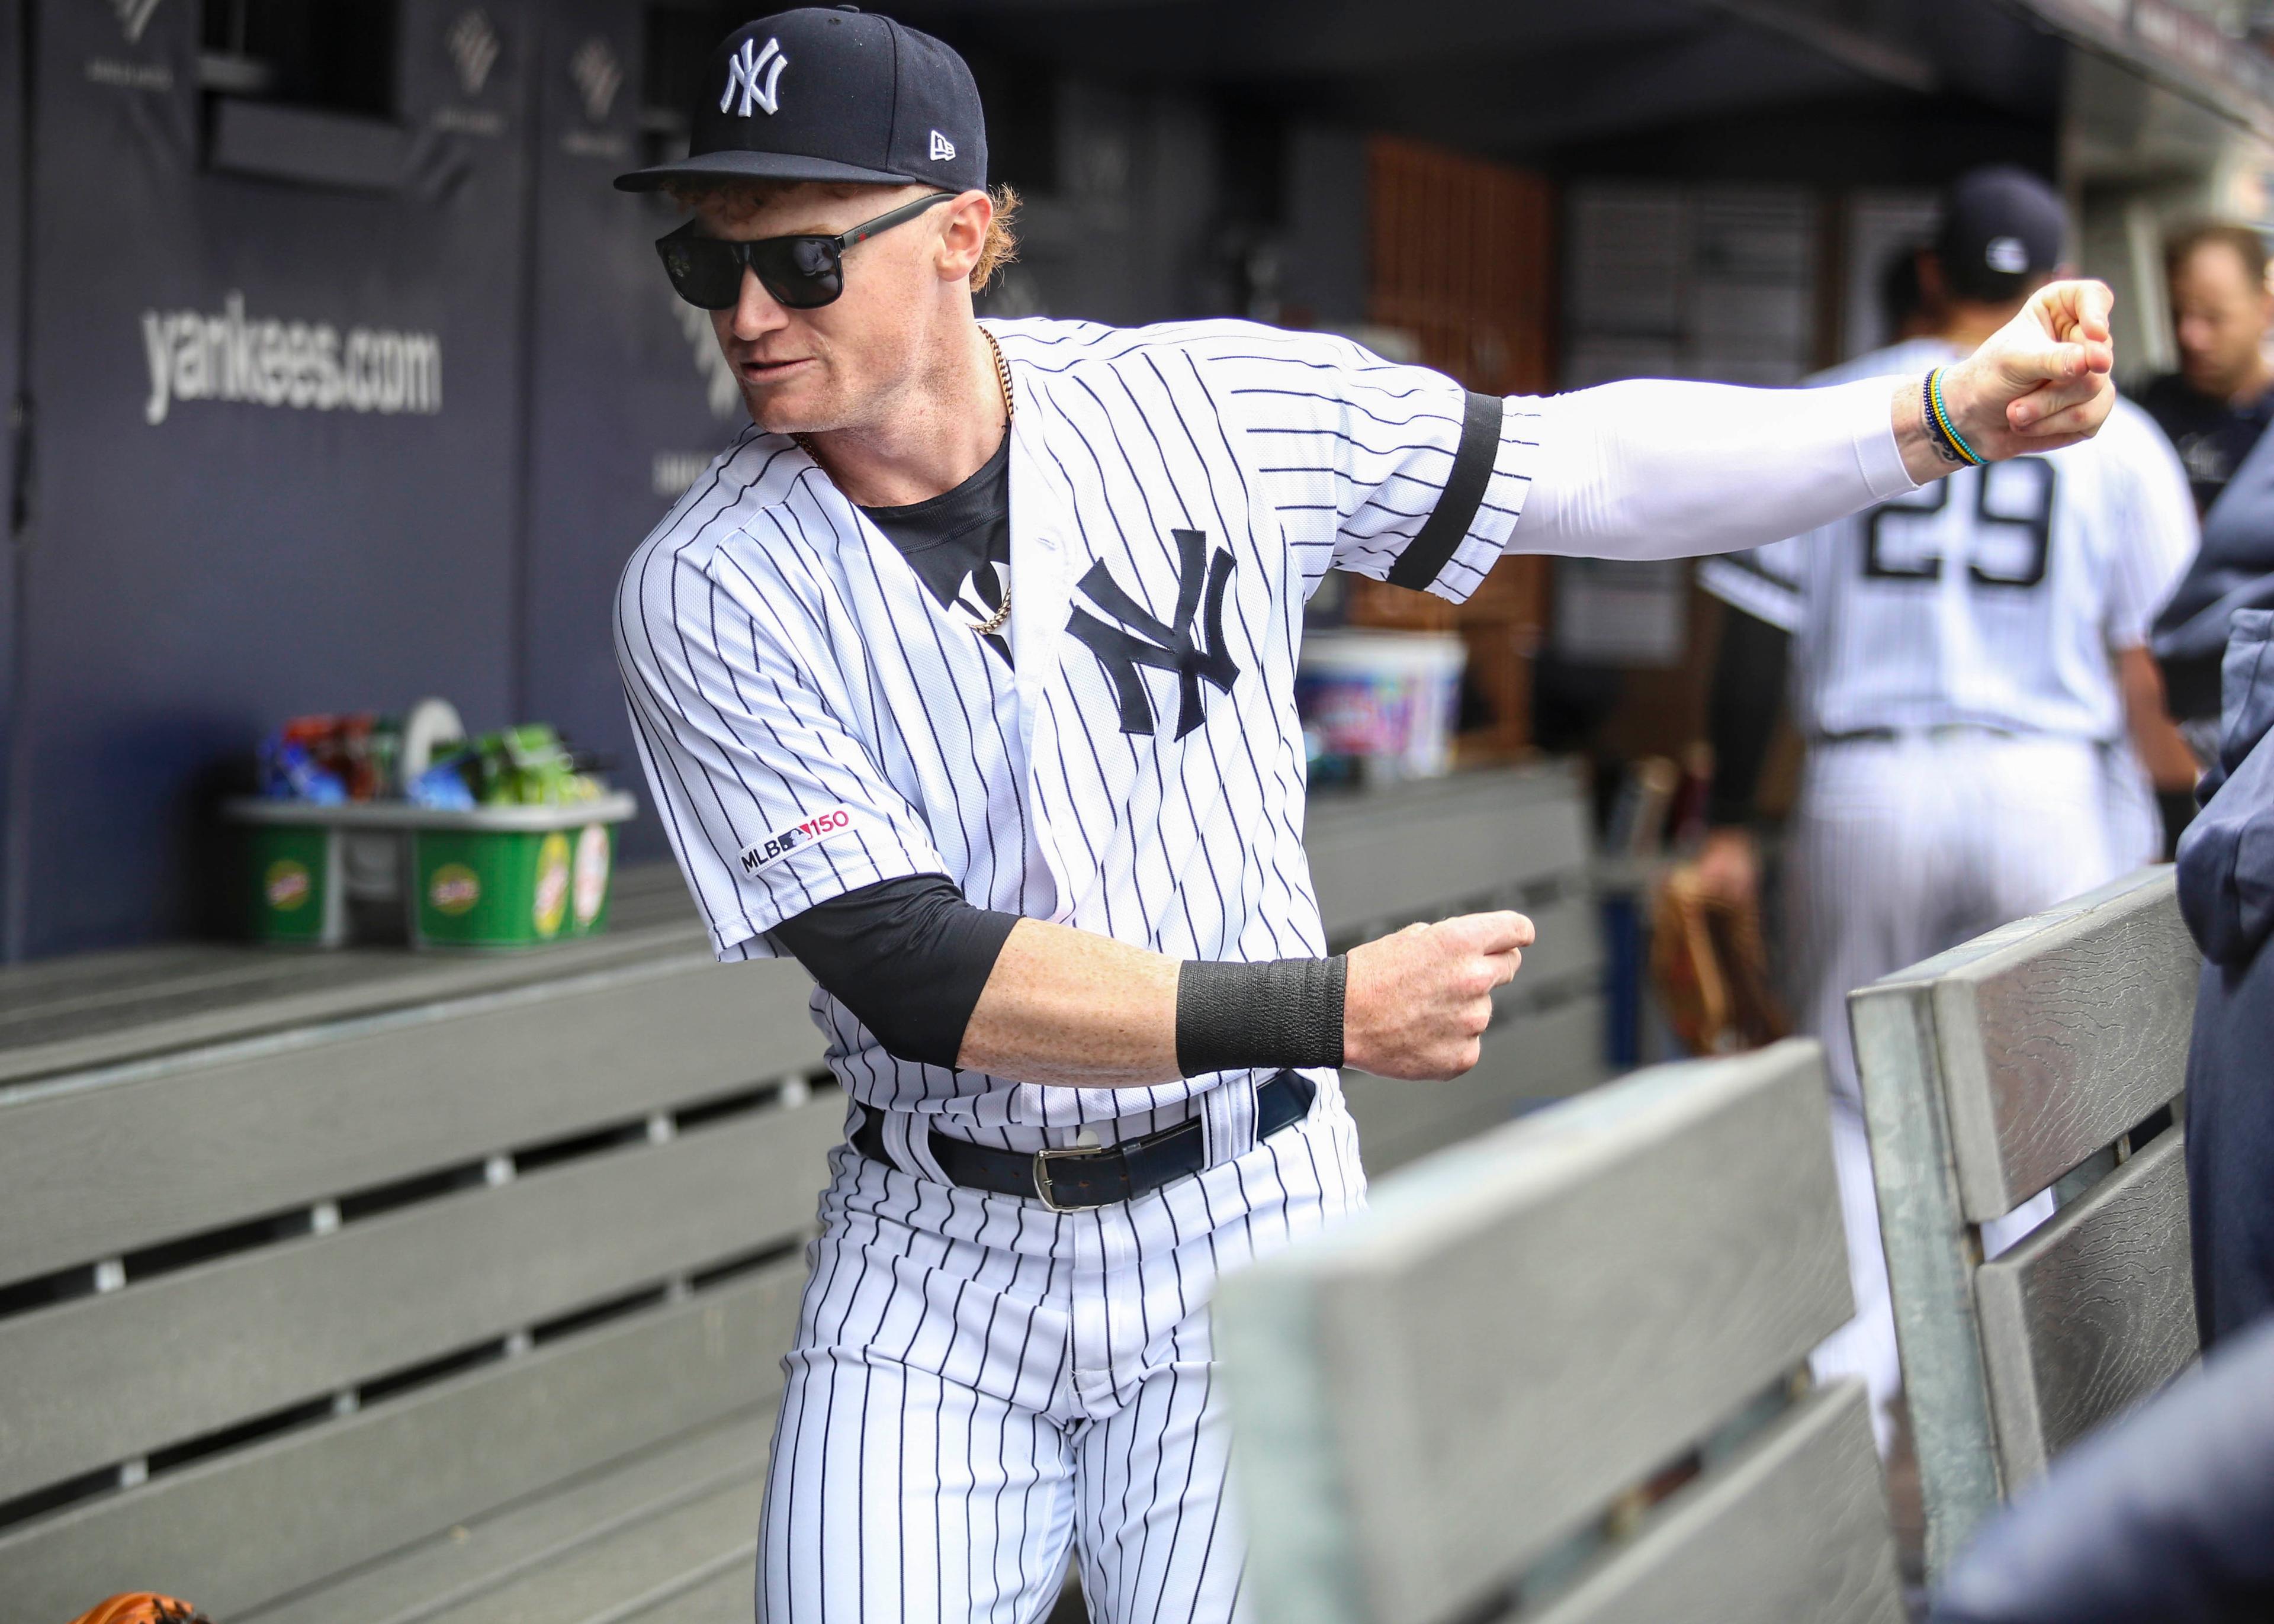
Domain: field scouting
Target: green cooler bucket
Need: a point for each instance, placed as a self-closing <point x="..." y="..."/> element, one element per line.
<point x="293" y="887"/>
<point x="514" y="876"/>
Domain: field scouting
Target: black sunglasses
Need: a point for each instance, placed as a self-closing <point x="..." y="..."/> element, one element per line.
<point x="802" y="273"/>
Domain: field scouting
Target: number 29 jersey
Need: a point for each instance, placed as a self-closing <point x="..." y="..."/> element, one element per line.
<point x="1991" y="598"/>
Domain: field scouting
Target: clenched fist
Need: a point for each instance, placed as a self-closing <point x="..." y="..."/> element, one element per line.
<point x="1415" y="1003"/>
<point x="2037" y="384"/>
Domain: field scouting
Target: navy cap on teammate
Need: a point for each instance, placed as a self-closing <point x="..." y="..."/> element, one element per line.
<point x="2002" y="229"/>
<point x="831" y="93"/>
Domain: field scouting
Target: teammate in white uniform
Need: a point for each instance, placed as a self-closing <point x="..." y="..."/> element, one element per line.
<point x="1964" y="662"/>
<point x="966" y="676"/>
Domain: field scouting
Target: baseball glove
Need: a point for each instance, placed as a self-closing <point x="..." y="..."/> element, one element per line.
<point x="142" y="1607"/>
<point x="1712" y="971"/>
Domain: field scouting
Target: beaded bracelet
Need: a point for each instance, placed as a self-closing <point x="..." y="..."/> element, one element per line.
<point x="1948" y="443"/>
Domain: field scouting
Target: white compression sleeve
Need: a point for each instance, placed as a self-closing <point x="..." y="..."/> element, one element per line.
<point x="1653" y="469"/>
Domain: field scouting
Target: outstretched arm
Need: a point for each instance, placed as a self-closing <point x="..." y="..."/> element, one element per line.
<point x="1659" y="469"/>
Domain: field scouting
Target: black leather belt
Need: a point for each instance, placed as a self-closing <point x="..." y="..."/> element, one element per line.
<point x="1938" y="731"/>
<point x="1084" y="1176"/>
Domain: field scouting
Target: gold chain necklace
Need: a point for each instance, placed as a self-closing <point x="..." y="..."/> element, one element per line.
<point x="1001" y="617"/>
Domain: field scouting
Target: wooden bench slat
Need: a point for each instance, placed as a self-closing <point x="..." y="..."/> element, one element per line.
<point x="1793" y="1530"/>
<point x="1523" y="1325"/>
<point x="100" y="1009"/>
<point x="1533" y="1057"/>
<point x="2059" y="1031"/>
<point x="486" y="1552"/>
<point x="627" y="1571"/>
<point x="723" y="1599"/>
<point x="1456" y="839"/>
<point x="348" y="1490"/>
<point x="107" y="1378"/>
<point x="2091" y="1313"/>
<point x="218" y="1136"/>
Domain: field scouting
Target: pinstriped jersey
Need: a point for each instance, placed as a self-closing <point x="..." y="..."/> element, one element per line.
<point x="1990" y="598"/>
<point x="813" y="719"/>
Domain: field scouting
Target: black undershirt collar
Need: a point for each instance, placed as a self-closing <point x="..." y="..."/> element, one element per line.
<point x="958" y="544"/>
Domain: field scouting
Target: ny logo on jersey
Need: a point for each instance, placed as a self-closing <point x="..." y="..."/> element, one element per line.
<point x="743" y="72"/>
<point x="1143" y="639"/>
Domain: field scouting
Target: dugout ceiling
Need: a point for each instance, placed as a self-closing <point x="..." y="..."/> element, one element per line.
<point x="1526" y="79"/>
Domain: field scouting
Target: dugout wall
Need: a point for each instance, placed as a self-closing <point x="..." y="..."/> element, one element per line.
<point x="628" y="397"/>
<point x="274" y="351"/>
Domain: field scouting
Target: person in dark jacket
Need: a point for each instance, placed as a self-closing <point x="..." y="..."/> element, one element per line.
<point x="2226" y="893"/>
<point x="2165" y="1516"/>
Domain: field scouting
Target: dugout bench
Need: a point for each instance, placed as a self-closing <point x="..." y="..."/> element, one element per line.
<point x="2049" y="1053"/>
<point x="368" y="1288"/>
<point x="1558" y="1374"/>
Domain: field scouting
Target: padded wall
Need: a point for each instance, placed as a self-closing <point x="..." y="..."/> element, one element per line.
<point x="629" y="397"/>
<point x="279" y="449"/>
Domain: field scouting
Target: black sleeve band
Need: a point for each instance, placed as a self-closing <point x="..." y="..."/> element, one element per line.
<point x="1246" y="1016"/>
<point x="1742" y="712"/>
<point x="909" y="957"/>
<point x="1456" y="506"/>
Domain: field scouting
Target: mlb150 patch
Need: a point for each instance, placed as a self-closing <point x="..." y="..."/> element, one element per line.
<point x="774" y="847"/>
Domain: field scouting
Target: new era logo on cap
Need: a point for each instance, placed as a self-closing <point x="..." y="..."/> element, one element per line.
<point x="942" y="148"/>
<point x="743" y="70"/>
<point x="2007" y="254"/>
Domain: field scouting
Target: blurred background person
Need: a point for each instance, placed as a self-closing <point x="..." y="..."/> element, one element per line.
<point x="2216" y="406"/>
<point x="1903" y="302"/>
<point x="1963" y="664"/>
<point x="2216" y="409"/>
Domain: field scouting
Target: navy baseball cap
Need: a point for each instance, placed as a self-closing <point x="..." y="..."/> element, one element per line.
<point x="2002" y="229"/>
<point x="831" y="93"/>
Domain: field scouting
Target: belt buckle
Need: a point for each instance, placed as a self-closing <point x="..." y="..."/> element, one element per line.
<point x="1043" y="1160"/>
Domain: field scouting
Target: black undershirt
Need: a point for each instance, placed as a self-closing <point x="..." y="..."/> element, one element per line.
<point x="2212" y="436"/>
<point x="958" y="542"/>
<point x="1741" y="710"/>
<point x="909" y="957"/>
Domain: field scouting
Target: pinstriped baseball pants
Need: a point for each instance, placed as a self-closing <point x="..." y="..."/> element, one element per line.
<point x="1898" y="851"/>
<point x="979" y="1384"/>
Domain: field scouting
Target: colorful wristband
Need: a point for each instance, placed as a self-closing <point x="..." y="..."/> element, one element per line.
<point x="1950" y="443"/>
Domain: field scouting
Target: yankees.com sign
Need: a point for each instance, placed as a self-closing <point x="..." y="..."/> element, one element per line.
<point x="305" y="365"/>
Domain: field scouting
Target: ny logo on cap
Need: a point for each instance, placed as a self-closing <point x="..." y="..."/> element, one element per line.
<point x="2007" y="254"/>
<point x="743" y="72"/>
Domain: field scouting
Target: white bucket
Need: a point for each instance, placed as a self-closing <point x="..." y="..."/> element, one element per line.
<point x="1389" y="698"/>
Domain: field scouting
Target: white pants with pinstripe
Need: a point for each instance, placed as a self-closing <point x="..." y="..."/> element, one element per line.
<point x="979" y="1384"/>
<point x="1900" y="850"/>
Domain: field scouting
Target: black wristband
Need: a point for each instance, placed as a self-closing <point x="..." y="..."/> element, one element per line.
<point x="1246" y="1016"/>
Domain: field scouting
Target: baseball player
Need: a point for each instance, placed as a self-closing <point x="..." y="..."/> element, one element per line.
<point x="965" y="675"/>
<point x="1964" y="662"/>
